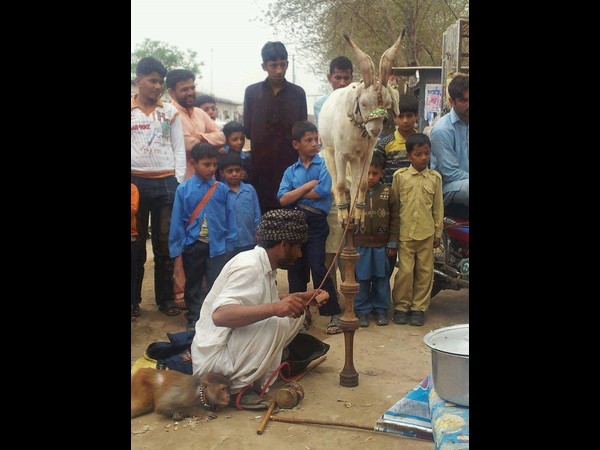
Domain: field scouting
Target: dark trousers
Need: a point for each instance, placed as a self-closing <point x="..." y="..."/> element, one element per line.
<point x="156" y="204"/>
<point x="312" y="262"/>
<point x="392" y="264"/>
<point x="196" y="264"/>
<point x="134" y="252"/>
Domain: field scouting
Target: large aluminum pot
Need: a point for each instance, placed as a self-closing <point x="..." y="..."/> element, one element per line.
<point x="450" y="362"/>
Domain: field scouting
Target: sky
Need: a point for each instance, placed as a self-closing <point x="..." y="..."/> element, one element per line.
<point x="227" y="40"/>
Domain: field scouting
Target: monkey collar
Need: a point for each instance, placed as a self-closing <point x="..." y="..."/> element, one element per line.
<point x="203" y="399"/>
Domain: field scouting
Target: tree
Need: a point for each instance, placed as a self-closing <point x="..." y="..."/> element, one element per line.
<point x="171" y="56"/>
<point x="316" y="28"/>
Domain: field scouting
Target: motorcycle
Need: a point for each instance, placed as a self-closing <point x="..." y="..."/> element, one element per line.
<point x="451" y="258"/>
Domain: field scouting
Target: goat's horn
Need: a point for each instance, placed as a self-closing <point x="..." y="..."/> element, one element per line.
<point x="365" y="63"/>
<point x="387" y="59"/>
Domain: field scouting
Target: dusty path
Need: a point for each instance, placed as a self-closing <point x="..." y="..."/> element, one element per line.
<point x="390" y="361"/>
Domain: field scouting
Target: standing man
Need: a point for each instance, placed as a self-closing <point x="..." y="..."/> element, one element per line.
<point x="450" y="148"/>
<point x="157" y="168"/>
<point x="198" y="126"/>
<point x="340" y="75"/>
<point x="271" y="107"/>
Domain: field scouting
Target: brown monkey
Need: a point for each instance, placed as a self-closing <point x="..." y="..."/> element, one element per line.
<point x="176" y="394"/>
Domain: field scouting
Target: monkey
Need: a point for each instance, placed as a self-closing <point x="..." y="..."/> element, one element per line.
<point x="176" y="394"/>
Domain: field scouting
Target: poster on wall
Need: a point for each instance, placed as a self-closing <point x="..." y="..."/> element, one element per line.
<point x="433" y="102"/>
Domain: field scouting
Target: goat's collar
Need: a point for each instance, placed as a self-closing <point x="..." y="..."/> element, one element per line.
<point x="361" y="125"/>
<point x="377" y="113"/>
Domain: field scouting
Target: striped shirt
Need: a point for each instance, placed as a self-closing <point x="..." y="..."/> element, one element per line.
<point x="157" y="145"/>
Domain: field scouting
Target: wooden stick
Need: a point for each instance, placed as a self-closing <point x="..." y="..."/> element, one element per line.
<point x="311" y="366"/>
<point x="419" y="433"/>
<point x="263" y="422"/>
<point x="320" y="422"/>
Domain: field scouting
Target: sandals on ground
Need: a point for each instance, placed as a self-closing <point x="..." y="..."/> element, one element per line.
<point x="334" y="325"/>
<point x="172" y="311"/>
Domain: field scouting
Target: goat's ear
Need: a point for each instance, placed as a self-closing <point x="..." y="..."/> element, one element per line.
<point x="395" y="99"/>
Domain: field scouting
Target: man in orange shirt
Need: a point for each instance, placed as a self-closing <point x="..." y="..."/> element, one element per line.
<point x="197" y="124"/>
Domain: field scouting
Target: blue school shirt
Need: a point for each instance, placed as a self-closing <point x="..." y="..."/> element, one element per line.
<point x="296" y="175"/>
<point x="247" y="213"/>
<point x="219" y="213"/>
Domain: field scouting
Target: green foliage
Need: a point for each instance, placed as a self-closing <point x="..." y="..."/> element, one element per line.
<point x="171" y="56"/>
<point x="316" y="27"/>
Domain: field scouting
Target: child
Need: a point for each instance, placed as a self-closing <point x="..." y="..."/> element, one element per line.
<point x="375" y="243"/>
<point x="393" y="147"/>
<point x="244" y="199"/>
<point x="207" y="104"/>
<point x="204" y="241"/>
<point x="419" y="190"/>
<point x="306" y="185"/>
<point x="234" y="141"/>
<point x="135" y="202"/>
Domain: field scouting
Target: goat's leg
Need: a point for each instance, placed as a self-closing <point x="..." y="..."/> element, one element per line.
<point x="363" y="164"/>
<point x="330" y="162"/>
<point x="340" y="187"/>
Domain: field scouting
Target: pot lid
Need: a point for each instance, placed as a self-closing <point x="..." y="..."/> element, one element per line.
<point x="454" y="339"/>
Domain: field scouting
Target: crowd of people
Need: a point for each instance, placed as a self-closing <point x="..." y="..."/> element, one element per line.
<point x="222" y="223"/>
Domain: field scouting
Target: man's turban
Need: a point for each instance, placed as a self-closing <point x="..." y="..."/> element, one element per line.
<point x="283" y="225"/>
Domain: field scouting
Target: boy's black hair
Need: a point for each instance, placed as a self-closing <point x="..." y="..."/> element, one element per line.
<point x="301" y="127"/>
<point x="203" y="150"/>
<point x="408" y="103"/>
<point x="417" y="140"/>
<point x="229" y="159"/>
<point x="147" y="65"/>
<point x="378" y="160"/>
<point x="232" y="127"/>
<point x="340" y="63"/>
<point x="457" y="86"/>
<point x="204" y="99"/>
<point x="272" y="51"/>
<point x="177" y="75"/>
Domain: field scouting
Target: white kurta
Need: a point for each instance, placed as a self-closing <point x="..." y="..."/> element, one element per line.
<point x="247" y="354"/>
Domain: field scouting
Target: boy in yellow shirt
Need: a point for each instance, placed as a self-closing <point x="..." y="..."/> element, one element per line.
<point x="419" y="190"/>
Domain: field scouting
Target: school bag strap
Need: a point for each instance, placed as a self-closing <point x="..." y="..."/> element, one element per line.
<point x="203" y="202"/>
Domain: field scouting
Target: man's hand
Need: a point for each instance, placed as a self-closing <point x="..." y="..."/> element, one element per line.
<point x="289" y="306"/>
<point x="436" y="242"/>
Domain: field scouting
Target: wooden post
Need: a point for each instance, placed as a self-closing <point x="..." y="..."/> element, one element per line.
<point x="349" y="322"/>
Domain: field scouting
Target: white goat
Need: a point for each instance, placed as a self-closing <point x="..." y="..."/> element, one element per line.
<point x="349" y="124"/>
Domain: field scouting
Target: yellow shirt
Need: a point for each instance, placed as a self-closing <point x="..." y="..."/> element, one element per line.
<point x="421" y="203"/>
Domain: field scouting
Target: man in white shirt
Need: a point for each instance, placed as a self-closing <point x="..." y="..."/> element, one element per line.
<point x="157" y="168"/>
<point x="245" y="323"/>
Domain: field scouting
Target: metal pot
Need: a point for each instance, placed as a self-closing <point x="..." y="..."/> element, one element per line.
<point x="450" y="362"/>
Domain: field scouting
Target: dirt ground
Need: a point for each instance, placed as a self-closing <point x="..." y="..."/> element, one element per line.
<point x="390" y="361"/>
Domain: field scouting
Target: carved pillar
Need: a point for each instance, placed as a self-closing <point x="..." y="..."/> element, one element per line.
<point x="348" y="322"/>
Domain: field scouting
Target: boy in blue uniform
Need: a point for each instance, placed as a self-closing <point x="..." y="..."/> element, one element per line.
<point x="244" y="199"/>
<point x="306" y="185"/>
<point x="204" y="242"/>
